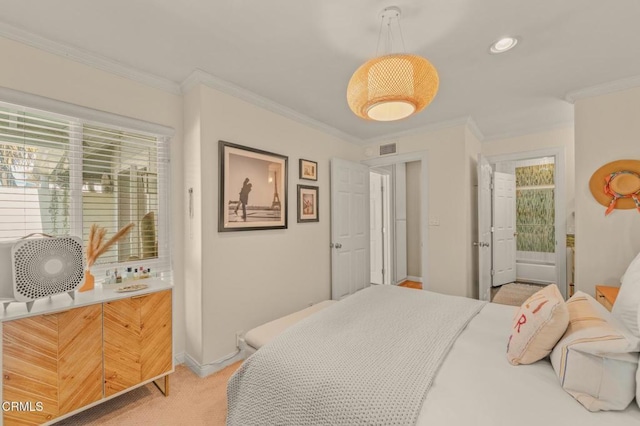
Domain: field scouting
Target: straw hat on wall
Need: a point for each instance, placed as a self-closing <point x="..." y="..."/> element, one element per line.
<point x="616" y="185"/>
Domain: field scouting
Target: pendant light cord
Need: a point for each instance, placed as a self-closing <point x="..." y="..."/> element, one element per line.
<point x="404" y="48"/>
<point x="379" y="37"/>
<point x="388" y="45"/>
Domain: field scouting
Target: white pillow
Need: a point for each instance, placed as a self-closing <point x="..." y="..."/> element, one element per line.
<point x="628" y="301"/>
<point x="596" y="360"/>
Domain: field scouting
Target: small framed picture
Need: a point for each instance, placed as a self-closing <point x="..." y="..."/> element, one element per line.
<point x="253" y="189"/>
<point x="308" y="204"/>
<point x="308" y="169"/>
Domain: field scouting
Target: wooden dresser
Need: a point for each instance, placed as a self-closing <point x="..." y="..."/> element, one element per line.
<point x="607" y="295"/>
<point x="67" y="355"/>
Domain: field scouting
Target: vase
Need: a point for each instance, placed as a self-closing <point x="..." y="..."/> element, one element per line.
<point x="89" y="281"/>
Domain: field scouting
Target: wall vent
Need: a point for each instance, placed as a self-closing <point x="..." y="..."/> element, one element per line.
<point x="388" y="149"/>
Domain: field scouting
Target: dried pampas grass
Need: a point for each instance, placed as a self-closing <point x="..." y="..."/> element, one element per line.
<point x="96" y="245"/>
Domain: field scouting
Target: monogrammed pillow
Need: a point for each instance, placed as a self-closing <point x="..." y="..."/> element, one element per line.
<point x="537" y="327"/>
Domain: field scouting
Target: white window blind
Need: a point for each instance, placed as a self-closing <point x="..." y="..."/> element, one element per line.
<point x="59" y="175"/>
<point x="35" y="189"/>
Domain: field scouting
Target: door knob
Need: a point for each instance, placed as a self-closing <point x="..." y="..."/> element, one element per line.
<point x="338" y="245"/>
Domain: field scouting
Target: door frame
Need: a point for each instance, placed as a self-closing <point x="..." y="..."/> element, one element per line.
<point x="387" y="219"/>
<point x="421" y="156"/>
<point x="560" y="202"/>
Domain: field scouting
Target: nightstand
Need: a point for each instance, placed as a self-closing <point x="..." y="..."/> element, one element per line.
<point x="606" y="295"/>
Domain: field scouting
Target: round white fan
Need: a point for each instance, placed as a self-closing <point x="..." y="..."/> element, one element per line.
<point x="46" y="266"/>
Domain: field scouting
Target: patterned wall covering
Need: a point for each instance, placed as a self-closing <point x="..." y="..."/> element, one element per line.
<point x="535" y="208"/>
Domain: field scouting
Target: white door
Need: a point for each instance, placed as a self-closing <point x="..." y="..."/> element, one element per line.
<point x="485" y="173"/>
<point x="350" y="270"/>
<point x="504" y="228"/>
<point x="376" y="228"/>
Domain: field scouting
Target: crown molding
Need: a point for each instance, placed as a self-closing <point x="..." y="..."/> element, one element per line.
<point x="603" y="89"/>
<point x="474" y="129"/>
<point x="460" y="121"/>
<point x="530" y="130"/>
<point x="88" y="58"/>
<point x="202" y="77"/>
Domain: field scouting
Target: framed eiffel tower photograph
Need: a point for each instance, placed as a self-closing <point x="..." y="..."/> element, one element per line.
<point x="253" y="189"/>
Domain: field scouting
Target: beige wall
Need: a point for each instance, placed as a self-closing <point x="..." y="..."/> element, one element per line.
<point x="192" y="237"/>
<point x="414" y="230"/>
<point x="472" y="149"/>
<point x="36" y="72"/>
<point x="607" y="128"/>
<point x="252" y="277"/>
<point x="446" y="240"/>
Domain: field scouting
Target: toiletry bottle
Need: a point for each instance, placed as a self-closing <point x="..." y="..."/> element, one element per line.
<point x="129" y="274"/>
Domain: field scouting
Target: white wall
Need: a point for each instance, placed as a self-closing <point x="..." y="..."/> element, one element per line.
<point x="252" y="277"/>
<point x="36" y="72"/>
<point x="607" y="128"/>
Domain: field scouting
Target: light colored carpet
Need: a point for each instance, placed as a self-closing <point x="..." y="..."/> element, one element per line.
<point x="515" y="293"/>
<point x="192" y="401"/>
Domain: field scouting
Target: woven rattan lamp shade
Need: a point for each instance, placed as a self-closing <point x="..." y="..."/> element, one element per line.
<point x="392" y="87"/>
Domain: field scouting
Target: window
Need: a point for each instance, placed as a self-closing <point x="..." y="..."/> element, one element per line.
<point x="61" y="174"/>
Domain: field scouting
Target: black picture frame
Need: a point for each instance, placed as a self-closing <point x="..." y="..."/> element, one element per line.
<point x="307" y="169"/>
<point x="308" y="204"/>
<point x="257" y="177"/>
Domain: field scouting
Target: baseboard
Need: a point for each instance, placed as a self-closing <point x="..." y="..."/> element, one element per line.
<point x="178" y="358"/>
<point x="416" y="279"/>
<point x="203" y="370"/>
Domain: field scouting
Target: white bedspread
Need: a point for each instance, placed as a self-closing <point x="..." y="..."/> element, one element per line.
<point x="367" y="360"/>
<point x="476" y="385"/>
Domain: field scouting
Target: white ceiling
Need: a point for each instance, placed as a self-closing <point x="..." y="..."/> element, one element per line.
<point x="300" y="54"/>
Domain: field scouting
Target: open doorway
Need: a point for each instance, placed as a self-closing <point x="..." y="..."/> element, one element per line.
<point x="525" y="245"/>
<point x="395" y="224"/>
<point x="535" y="219"/>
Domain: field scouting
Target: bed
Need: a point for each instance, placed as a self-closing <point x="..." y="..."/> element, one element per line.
<point x="472" y="381"/>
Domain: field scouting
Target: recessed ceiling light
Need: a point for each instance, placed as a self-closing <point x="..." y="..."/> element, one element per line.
<point x="504" y="44"/>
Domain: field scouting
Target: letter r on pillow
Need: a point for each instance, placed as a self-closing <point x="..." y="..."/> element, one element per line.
<point x="522" y="320"/>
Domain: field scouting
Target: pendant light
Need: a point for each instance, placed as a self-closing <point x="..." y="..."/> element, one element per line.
<point x="395" y="85"/>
